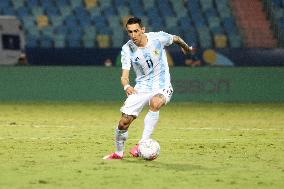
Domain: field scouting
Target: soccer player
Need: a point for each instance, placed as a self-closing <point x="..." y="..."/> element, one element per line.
<point x="146" y="54"/>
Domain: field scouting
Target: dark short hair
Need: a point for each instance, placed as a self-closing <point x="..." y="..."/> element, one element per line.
<point x="134" y="20"/>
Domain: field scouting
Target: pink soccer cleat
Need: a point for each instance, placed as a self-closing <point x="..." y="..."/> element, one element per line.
<point x="113" y="156"/>
<point x="134" y="151"/>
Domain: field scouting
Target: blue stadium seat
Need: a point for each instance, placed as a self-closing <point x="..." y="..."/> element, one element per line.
<point x="61" y="29"/>
<point x="9" y="11"/>
<point x="277" y="3"/>
<point x="37" y="11"/>
<point x="165" y="8"/>
<point x="4" y="4"/>
<point x="229" y="25"/>
<point x="84" y="21"/>
<point x="31" y="41"/>
<point x="109" y="11"/>
<point x="89" y="43"/>
<point x="47" y="4"/>
<point x="104" y="30"/>
<point x="75" y="3"/>
<point x="73" y="43"/>
<point x="48" y="32"/>
<point x="71" y="21"/>
<point x="18" y="3"/>
<point x="23" y="12"/>
<point x="99" y="21"/>
<point x="211" y="12"/>
<point x="135" y="7"/>
<point x="185" y="23"/>
<point x="105" y="3"/>
<point x="123" y="11"/>
<point x="51" y="11"/>
<point x="196" y="20"/>
<point x="119" y="3"/>
<point x="191" y="37"/>
<point x="152" y="13"/>
<point x="61" y="3"/>
<point x="216" y="30"/>
<point x="80" y="11"/>
<point x="45" y="42"/>
<point x="59" y="41"/>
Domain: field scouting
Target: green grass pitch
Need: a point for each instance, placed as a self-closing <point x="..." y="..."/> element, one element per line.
<point x="203" y="145"/>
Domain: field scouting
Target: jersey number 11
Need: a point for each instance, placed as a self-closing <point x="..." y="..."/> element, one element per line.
<point x="149" y="63"/>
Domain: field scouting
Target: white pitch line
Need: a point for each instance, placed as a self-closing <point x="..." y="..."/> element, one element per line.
<point x="213" y="139"/>
<point x="231" y="129"/>
<point x="36" y="138"/>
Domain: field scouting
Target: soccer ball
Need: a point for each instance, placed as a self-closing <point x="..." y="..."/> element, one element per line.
<point x="149" y="149"/>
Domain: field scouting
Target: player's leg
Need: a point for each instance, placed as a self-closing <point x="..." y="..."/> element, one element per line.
<point x="159" y="99"/>
<point x="152" y="117"/>
<point x="156" y="102"/>
<point x="120" y="136"/>
<point x="121" y="132"/>
<point x="151" y="120"/>
<point x="132" y="107"/>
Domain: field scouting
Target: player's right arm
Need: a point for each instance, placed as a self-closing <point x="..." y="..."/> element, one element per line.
<point x="126" y="64"/>
<point x="125" y="82"/>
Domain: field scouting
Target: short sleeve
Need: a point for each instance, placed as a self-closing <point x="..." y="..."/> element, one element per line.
<point x="125" y="58"/>
<point x="165" y="38"/>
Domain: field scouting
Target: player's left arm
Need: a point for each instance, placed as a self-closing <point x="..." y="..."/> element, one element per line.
<point x="186" y="49"/>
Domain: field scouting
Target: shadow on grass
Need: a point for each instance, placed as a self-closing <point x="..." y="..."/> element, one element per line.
<point x="166" y="166"/>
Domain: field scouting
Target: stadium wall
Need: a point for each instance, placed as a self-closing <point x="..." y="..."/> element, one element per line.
<point x="97" y="56"/>
<point x="205" y="84"/>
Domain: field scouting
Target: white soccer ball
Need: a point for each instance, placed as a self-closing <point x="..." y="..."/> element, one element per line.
<point x="149" y="149"/>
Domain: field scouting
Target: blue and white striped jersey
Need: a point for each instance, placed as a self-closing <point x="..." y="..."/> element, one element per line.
<point x="149" y="63"/>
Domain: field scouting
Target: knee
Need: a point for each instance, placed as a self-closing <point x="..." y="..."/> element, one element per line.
<point x="125" y="121"/>
<point x="156" y="104"/>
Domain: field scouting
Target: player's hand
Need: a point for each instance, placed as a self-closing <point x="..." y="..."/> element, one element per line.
<point x="130" y="90"/>
<point x="188" y="50"/>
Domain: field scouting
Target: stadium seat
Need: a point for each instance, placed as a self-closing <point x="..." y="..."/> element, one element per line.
<point x="148" y="3"/>
<point x="18" y="3"/>
<point x="206" y="4"/>
<point x="220" y="41"/>
<point x="235" y="41"/>
<point x="171" y="21"/>
<point x="59" y="41"/>
<point x="31" y="41"/>
<point x="62" y="3"/>
<point x="165" y="7"/>
<point x="56" y="20"/>
<point x="109" y="11"/>
<point x="123" y="11"/>
<point x="185" y="18"/>
<point x="5" y="4"/>
<point x="76" y="3"/>
<point x="103" y="41"/>
<point x="42" y="21"/>
<point x="48" y="31"/>
<point x="22" y="12"/>
<point x="90" y="3"/>
<point x="105" y="3"/>
<point x="61" y="29"/>
<point x="37" y="11"/>
<point x="45" y="42"/>
<point x="119" y="3"/>
<point x="28" y="22"/>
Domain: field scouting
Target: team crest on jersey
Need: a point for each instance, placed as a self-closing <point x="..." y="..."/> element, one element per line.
<point x="156" y="52"/>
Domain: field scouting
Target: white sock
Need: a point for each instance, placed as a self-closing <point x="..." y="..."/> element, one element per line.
<point x="150" y="122"/>
<point x="120" y="136"/>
